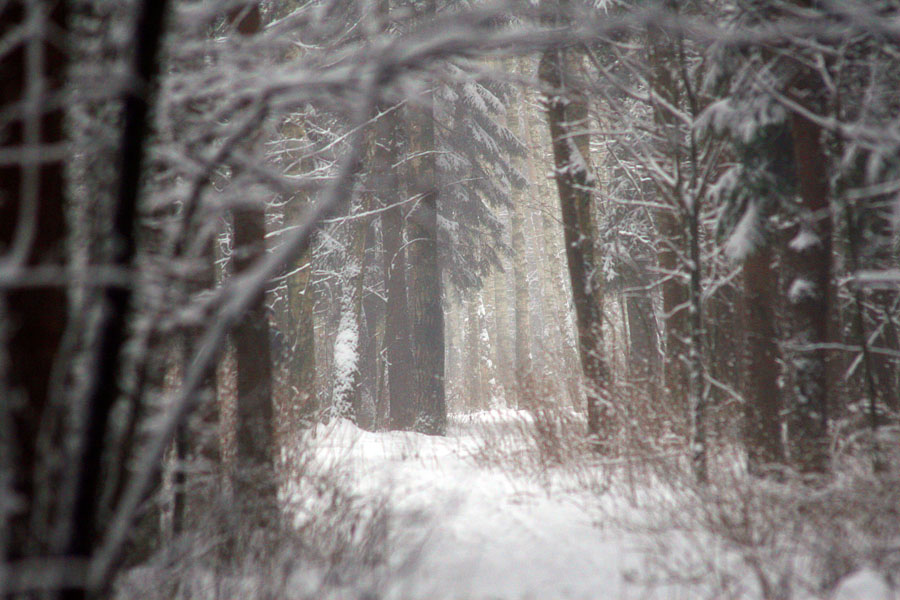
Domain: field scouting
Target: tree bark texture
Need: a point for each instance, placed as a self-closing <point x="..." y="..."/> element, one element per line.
<point x="502" y="355"/>
<point x="697" y="378"/>
<point x="370" y="367"/>
<point x="523" y="366"/>
<point x="524" y="374"/>
<point x="552" y="287"/>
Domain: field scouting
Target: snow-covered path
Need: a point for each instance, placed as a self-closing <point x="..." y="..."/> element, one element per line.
<point x="464" y="529"/>
<point x="470" y="531"/>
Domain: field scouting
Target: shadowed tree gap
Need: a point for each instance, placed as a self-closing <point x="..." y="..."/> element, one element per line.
<point x="32" y="233"/>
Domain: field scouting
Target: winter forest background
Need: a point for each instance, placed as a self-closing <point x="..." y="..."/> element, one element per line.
<point x="449" y="299"/>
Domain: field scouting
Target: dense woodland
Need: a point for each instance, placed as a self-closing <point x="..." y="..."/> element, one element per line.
<point x="660" y="238"/>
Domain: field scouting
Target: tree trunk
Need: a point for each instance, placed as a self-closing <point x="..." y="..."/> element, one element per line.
<point x="197" y="440"/>
<point x="552" y="286"/>
<point x="254" y="484"/>
<point x="502" y="355"/>
<point x="301" y="302"/>
<point x="762" y="398"/>
<point x="697" y="379"/>
<point x="373" y="334"/>
<point x="670" y="223"/>
<point x="643" y="347"/>
<point x="113" y="331"/>
<point x="425" y="293"/>
<point x="523" y="369"/>
<point x="397" y="337"/>
<point x="475" y="388"/>
<point x="346" y="398"/>
<point x="809" y="255"/>
<point x="255" y="487"/>
<point x="567" y="112"/>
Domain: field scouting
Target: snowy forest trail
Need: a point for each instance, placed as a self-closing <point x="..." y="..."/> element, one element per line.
<point x="458" y="518"/>
<point x="466" y="529"/>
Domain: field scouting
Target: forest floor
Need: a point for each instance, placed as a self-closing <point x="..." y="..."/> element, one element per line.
<point x="511" y="505"/>
<point x="463" y="522"/>
<point x="475" y="530"/>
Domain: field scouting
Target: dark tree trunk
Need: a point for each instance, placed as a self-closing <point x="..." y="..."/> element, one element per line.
<point x="31" y="204"/>
<point x="254" y="486"/>
<point x="397" y="336"/>
<point x="670" y="223"/>
<point x="301" y="367"/>
<point x="809" y="256"/>
<point x="197" y="440"/>
<point x="762" y="398"/>
<point x="567" y="112"/>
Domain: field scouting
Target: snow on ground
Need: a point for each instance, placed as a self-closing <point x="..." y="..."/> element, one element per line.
<point x="480" y="531"/>
<point x="465" y="528"/>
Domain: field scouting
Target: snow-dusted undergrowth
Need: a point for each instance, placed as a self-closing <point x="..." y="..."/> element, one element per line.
<point x="487" y="513"/>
